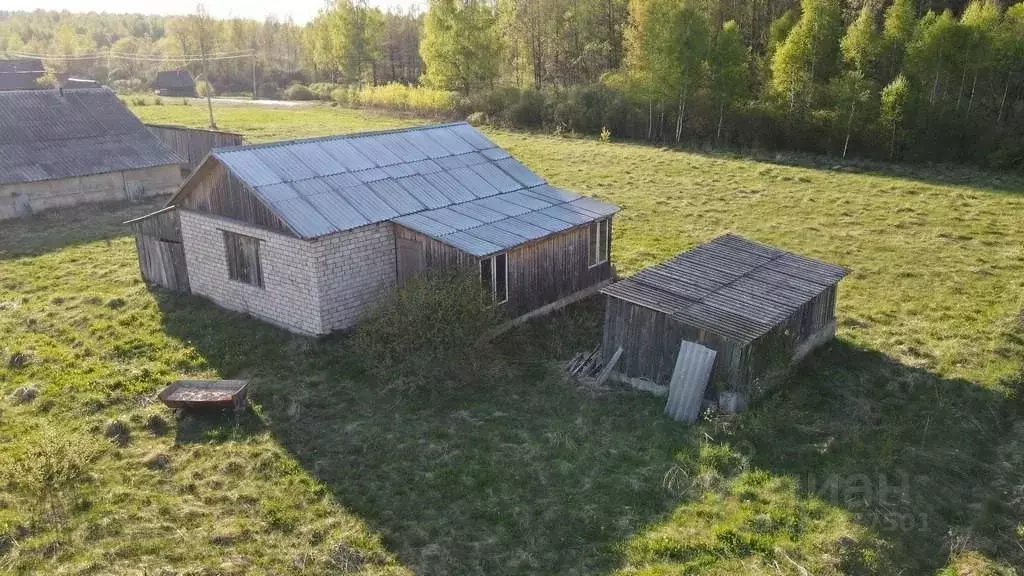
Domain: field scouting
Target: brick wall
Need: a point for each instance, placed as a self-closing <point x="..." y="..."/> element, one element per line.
<point x="289" y="297"/>
<point x="354" y="268"/>
<point x="309" y="286"/>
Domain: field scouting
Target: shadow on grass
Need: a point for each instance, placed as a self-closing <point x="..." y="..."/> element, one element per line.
<point x="530" y="474"/>
<point x="58" y="229"/>
<point x="216" y="425"/>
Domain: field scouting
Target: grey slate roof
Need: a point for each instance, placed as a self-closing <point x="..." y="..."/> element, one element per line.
<point x="730" y="286"/>
<point x="446" y="181"/>
<point x="47" y="136"/>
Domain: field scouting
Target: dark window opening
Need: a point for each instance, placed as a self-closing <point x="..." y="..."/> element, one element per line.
<point x="243" y="255"/>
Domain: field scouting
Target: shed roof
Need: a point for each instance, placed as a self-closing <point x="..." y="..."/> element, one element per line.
<point x="48" y="135"/>
<point x="447" y="181"/>
<point x="731" y="286"/>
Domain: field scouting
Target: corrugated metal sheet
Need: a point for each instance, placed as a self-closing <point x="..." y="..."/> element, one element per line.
<point x="46" y="136"/>
<point x="732" y="287"/>
<point x="449" y="182"/>
<point x="689" y="380"/>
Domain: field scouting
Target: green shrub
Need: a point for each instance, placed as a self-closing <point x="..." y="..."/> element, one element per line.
<point x="50" y="463"/>
<point x="298" y="92"/>
<point x="322" y="90"/>
<point x="268" y="91"/>
<point x="433" y="331"/>
<point x="477" y="118"/>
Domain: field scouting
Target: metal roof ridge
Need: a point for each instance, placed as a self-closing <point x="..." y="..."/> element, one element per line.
<point x="349" y="136"/>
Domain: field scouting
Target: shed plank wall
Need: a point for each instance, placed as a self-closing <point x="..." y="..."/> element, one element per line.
<point x="191" y="144"/>
<point x="161" y="252"/>
<point x="650" y="342"/>
<point x="539" y="272"/>
<point x="215" y="190"/>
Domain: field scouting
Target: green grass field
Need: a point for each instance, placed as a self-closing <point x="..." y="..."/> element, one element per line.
<point x="896" y="449"/>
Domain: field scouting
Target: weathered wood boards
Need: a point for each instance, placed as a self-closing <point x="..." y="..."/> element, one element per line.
<point x="161" y="252"/>
<point x="193" y="144"/>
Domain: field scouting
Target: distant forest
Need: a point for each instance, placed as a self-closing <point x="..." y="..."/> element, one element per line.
<point x="900" y="79"/>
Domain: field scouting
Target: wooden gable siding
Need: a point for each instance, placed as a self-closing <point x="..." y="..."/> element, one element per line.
<point x="539" y="272"/>
<point x="214" y="190"/>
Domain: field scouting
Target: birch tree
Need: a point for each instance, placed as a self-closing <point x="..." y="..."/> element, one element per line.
<point x="729" y="67"/>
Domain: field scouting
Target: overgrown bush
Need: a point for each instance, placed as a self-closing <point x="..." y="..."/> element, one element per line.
<point x="432" y="332"/>
<point x="268" y="91"/>
<point x="298" y="92"/>
<point x="50" y="463"/>
<point x="322" y="90"/>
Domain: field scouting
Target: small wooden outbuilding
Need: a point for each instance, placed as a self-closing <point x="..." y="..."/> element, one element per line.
<point x="757" y="308"/>
<point x="175" y="83"/>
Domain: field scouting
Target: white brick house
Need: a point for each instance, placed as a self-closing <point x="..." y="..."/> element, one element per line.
<point x="307" y="234"/>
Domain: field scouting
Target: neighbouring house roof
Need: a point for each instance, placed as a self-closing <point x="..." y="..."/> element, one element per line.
<point x="48" y="135"/>
<point x="174" y="79"/>
<point x="446" y="181"/>
<point x="20" y="74"/>
<point x="21" y="65"/>
<point x="730" y="286"/>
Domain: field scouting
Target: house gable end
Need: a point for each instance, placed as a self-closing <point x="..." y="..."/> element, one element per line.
<point x="212" y="188"/>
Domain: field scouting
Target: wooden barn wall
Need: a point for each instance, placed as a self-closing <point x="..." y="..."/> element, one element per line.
<point x="161" y="253"/>
<point x="771" y="355"/>
<point x="215" y="190"/>
<point x="191" y="144"/>
<point x="437" y="255"/>
<point x="650" y="343"/>
<point x="539" y="272"/>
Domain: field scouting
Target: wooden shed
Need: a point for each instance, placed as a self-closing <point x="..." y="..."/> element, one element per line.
<point x="307" y="234"/>
<point x="758" y="308"/>
<point x="175" y="83"/>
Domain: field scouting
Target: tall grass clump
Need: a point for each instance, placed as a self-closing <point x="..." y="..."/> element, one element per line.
<point x="431" y="332"/>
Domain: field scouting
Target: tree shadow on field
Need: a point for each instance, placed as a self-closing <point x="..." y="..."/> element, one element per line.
<point x="56" y="229"/>
<point x="529" y="474"/>
<point x="910" y="455"/>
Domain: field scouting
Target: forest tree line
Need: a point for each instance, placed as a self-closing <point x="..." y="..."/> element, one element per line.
<point x="903" y="79"/>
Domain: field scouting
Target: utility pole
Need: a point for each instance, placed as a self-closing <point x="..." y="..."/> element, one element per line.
<point x="253" y="74"/>
<point x="202" y="21"/>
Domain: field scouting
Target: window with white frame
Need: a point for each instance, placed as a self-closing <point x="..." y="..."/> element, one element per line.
<point x="243" y="255"/>
<point x="599" y="242"/>
<point x="494" y="277"/>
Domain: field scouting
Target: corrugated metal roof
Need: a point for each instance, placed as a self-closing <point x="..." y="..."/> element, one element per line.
<point x="46" y="135"/>
<point x="733" y="287"/>
<point x="448" y="181"/>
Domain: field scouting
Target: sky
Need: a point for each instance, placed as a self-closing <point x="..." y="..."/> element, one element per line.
<point x="301" y="11"/>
